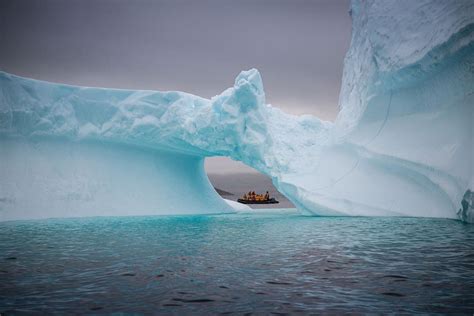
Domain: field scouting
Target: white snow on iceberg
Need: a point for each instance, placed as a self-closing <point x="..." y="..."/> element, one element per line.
<point x="402" y="143"/>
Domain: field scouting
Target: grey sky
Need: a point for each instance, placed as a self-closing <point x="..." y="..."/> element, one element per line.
<point x="193" y="46"/>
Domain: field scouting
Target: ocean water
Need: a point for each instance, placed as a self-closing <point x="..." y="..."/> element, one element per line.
<point x="258" y="263"/>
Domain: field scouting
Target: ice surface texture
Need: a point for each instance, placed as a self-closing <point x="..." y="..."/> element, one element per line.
<point x="402" y="143"/>
<point x="405" y="129"/>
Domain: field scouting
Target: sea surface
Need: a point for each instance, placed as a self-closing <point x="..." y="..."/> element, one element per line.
<point x="252" y="263"/>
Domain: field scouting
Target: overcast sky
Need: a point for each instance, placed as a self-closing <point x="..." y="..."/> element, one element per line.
<point x="197" y="46"/>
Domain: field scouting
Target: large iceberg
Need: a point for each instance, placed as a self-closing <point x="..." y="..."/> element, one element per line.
<point x="402" y="144"/>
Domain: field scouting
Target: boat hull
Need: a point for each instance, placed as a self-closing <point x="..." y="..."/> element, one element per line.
<point x="270" y="201"/>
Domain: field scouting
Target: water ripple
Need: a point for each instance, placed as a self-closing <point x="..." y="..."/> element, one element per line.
<point x="264" y="264"/>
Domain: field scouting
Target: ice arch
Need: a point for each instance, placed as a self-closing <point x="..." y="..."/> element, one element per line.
<point x="76" y="151"/>
<point x="401" y="145"/>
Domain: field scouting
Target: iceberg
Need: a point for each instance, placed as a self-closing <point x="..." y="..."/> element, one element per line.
<point x="403" y="140"/>
<point x="402" y="144"/>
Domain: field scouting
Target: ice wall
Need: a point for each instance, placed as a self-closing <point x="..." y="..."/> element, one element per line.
<point x="43" y="178"/>
<point x="401" y="145"/>
<point x="404" y="133"/>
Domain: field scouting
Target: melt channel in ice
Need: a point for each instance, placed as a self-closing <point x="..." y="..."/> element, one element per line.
<point x="402" y="144"/>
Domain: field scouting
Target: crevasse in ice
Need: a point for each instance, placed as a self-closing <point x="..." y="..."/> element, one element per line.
<point x="402" y="143"/>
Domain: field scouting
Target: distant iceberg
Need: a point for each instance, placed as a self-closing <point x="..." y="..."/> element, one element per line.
<point x="402" y="144"/>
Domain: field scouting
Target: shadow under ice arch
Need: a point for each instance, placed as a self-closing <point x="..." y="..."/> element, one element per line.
<point x="77" y="151"/>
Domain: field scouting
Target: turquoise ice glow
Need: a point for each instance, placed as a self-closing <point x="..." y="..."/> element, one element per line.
<point x="402" y="143"/>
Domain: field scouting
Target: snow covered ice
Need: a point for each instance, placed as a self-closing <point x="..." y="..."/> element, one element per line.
<point x="402" y="144"/>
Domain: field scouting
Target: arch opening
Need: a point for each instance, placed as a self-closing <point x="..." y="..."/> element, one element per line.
<point x="232" y="179"/>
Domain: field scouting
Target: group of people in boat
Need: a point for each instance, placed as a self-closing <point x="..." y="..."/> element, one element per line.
<point x="252" y="196"/>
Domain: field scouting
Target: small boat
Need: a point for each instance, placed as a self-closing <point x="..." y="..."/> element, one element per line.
<point x="247" y="201"/>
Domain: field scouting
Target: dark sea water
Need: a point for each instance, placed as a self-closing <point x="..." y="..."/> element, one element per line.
<point x="241" y="263"/>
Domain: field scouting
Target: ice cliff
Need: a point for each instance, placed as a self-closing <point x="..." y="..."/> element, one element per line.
<point x="405" y="129"/>
<point x="402" y="143"/>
